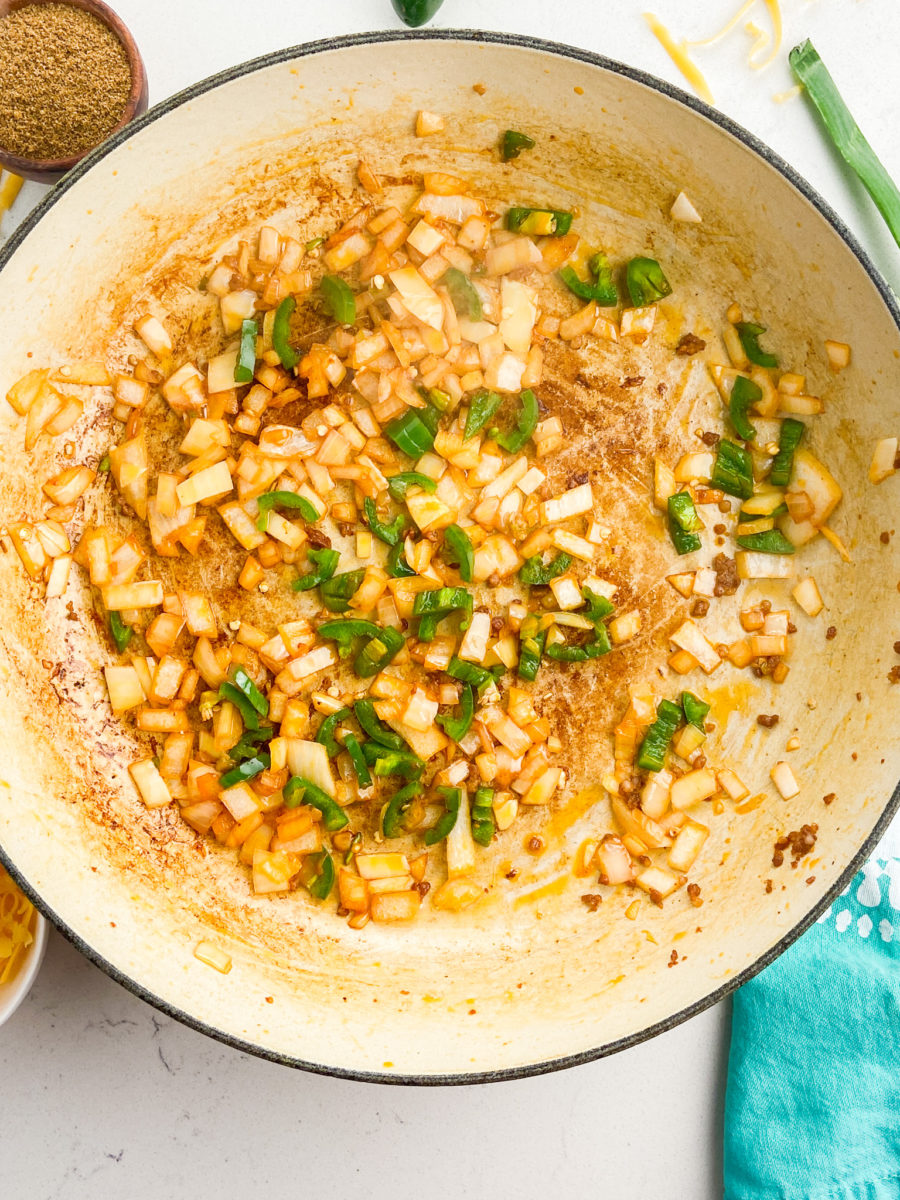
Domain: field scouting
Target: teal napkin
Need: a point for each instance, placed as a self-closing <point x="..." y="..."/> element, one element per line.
<point x="812" y="1106"/>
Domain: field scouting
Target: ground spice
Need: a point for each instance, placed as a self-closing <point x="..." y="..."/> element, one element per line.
<point x="64" y="81"/>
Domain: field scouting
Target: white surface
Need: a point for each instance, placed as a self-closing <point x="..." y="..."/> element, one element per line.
<point x="113" y="1100"/>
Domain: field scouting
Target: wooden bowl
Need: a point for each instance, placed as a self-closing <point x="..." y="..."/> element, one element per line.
<point x="48" y="170"/>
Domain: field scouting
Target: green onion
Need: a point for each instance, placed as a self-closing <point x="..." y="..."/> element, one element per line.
<point x="546" y="222"/>
<point x="457" y="725"/>
<point x="744" y="393"/>
<point x="771" y="541"/>
<point x="695" y="710"/>
<point x="397" y="566"/>
<point x="526" y="423"/>
<point x="269" y="500"/>
<point x="378" y="652"/>
<point x="388" y="532"/>
<point x="846" y="134"/>
<point x="482" y="407"/>
<point x="325" y="737"/>
<point x="733" y="470"/>
<point x="749" y="333"/>
<point x="396" y="809"/>
<point x="323" y="881"/>
<point x="410" y="433"/>
<point x="535" y="573"/>
<point x="325" y="564"/>
<point x="458" y="548"/>
<point x="513" y="143"/>
<point x="452" y="798"/>
<point x="299" y="791"/>
<point x="646" y="282"/>
<point x="121" y="633"/>
<point x="103" y="465"/>
<point x="652" y="754"/>
<point x="463" y="294"/>
<point x="245" y="684"/>
<point x="603" y="289"/>
<point x="684" y="522"/>
<point x="364" y="711"/>
<point x="531" y="647"/>
<point x="599" y="608"/>
<point x="315" y="243"/>
<point x="281" y="328"/>
<point x="246" y="360"/>
<point x="337" y="591"/>
<point x="248" y="746"/>
<point x="339" y="300"/>
<point x="345" y="631"/>
<point x="399" y="485"/>
<point x="783" y="463"/>
<point x="245" y="770"/>
<point x="358" y="760"/>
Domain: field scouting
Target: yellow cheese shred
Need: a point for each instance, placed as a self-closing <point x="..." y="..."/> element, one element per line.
<point x="680" y="51"/>
<point x="16" y="927"/>
<point x="9" y="189"/>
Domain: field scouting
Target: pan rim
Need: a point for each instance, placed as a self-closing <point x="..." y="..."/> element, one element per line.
<point x="751" y="142"/>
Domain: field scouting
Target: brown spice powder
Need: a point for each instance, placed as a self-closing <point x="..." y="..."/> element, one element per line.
<point x="64" y="81"/>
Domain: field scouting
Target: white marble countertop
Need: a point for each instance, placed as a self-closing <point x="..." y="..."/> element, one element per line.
<point x="115" y="1100"/>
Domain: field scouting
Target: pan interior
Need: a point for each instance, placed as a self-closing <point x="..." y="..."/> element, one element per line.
<point x="529" y="975"/>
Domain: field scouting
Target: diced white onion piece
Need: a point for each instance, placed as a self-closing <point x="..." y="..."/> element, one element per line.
<point x="237" y="307"/>
<point x="429" y="511"/>
<point x="544" y="787"/>
<point x="683" y="210"/>
<point x="475" y="639"/>
<point x="382" y="866"/>
<point x="124" y="686"/>
<point x="808" y="596"/>
<point x="572" y="503"/>
<point x="571" y="543"/>
<point x="511" y="255"/>
<point x="687" y="845"/>
<point x="205" y="435"/>
<point x="614" y="861"/>
<point x="518" y="313"/>
<point x="688" y="636"/>
<point x="655" y="794"/>
<point x="272" y="871"/>
<point x="319" y="659"/>
<point x="426" y="743"/>
<point x="690" y="789"/>
<point x="785" y="780"/>
<point x="704" y="582"/>
<point x="664" y="484"/>
<point x="505" y="373"/>
<point x="460" y="843"/>
<point x="754" y="565"/>
<point x="775" y="624"/>
<point x="506" y="480"/>
<point x="347" y="252"/>
<point x="763" y="504"/>
<point x="154" y="335"/>
<point x="637" y="323"/>
<point x="567" y="592"/>
<point x="496" y="555"/>
<point x="285" y="441"/>
<point x="425" y="238"/>
<point x="212" y="956"/>
<point x="838" y="354"/>
<point x="688" y="741"/>
<point x="506" y="809"/>
<point x="883" y="459"/>
<point x="731" y="784"/>
<point x="420" y="710"/>
<point x="147" y="593"/>
<point x="624" y="628"/>
<point x="184" y="388"/>
<point x="455" y="209"/>
<point x="657" y="879"/>
<point x="220" y="372"/>
<point x="211" y="482"/>
<point x="428" y="122"/>
<point x="531" y="481"/>
<point x="59" y="576"/>
<point x="801" y="406"/>
<point x="683" y="582"/>
<point x="695" y="467"/>
<point x="150" y="783"/>
<point x="637" y="824"/>
<point x="310" y="760"/>
<point x="418" y="296"/>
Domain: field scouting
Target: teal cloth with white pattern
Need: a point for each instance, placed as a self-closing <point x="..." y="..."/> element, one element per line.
<point x="812" y="1107"/>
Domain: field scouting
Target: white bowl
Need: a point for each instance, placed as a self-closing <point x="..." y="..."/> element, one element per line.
<point x="13" y="993"/>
